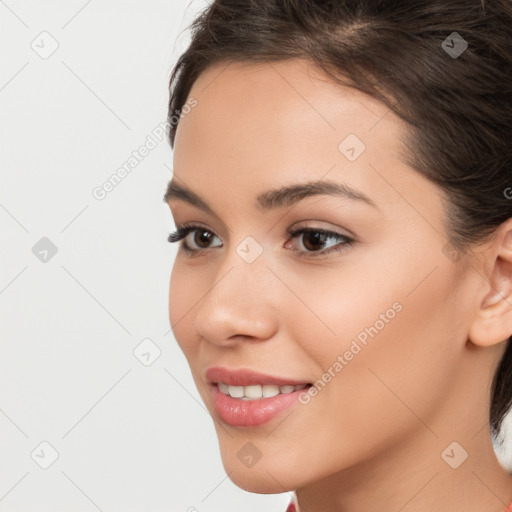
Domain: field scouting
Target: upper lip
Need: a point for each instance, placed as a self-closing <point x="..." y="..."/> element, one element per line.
<point x="246" y="377"/>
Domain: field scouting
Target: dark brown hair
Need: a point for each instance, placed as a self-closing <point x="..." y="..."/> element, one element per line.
<point x="456" y="99"/>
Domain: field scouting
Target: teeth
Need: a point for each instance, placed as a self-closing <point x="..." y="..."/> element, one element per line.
<point x="236" y="391"/>
<point x="270" y="390"/>
<point x="255" y="391"/>
<point x="224" y="388"/>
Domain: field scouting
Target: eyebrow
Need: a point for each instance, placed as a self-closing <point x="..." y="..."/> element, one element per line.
<point x="276" y="198"/>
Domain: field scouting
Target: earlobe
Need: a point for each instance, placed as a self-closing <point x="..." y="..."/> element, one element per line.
<point x="492" y="323"/>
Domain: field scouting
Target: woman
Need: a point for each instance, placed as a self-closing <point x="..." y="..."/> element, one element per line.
<point x="343" y="288"/>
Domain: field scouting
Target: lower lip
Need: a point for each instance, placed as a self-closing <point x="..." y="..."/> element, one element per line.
<point x="251" y="413"/>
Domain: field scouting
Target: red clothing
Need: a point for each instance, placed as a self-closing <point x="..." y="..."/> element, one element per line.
<point x="293" y="508"/>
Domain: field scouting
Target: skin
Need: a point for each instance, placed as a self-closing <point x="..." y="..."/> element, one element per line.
<point x="374" y="435"/>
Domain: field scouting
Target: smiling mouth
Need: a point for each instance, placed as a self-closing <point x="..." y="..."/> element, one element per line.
<point x="257" y="391"/>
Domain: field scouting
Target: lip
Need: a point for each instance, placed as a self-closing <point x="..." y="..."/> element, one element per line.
<point x="244" y="377"/>
<point x="249" y="413"/>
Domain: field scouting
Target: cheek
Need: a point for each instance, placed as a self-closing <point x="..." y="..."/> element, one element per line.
<point x="396" y="335"/>
<point x="183" y="295"/>
<point x="338" y="307"/>
<point x="400" y="307"/>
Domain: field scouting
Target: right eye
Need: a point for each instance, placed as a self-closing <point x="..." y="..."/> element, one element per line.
<point x="200" y="237"/>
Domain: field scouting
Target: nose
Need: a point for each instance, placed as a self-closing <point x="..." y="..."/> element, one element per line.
<point x="240" y="304"/>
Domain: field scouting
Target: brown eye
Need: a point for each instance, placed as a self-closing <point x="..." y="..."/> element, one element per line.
<point x="194" y="238"/>
<point x="319" y="242"/>
<point x="202" y="238"/>
<point x="313" y="240"/>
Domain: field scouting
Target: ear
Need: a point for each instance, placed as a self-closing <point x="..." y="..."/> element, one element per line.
<point x="492" y="323"/>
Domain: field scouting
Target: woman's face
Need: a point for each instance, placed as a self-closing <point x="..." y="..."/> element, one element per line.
<point x="380" y="324"/>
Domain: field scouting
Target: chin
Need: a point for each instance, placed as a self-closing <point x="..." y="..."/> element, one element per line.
<point x="259" y="481"/>
<point x="266" y="475"/>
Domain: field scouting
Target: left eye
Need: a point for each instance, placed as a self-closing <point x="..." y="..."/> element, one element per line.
<point x="313" y="240"/>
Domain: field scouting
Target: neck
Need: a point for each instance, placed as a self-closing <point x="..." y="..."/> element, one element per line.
<point x="414" y="477"/>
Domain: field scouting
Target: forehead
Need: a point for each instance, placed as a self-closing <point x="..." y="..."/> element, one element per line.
<point x="289" y="102"/>
<point x="258" y="126"/>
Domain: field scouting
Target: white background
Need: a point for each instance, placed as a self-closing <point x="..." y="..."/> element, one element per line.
<point x="129" y="437"/>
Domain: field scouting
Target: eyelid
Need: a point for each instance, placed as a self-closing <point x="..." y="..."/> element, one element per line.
<point x="334" y="231"/>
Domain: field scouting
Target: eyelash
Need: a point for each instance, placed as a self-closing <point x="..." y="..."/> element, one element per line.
<point x="182" y="231"/>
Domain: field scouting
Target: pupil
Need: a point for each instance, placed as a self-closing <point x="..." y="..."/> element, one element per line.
<point x="316" y="238"/>
<point x="203" y="236"/>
